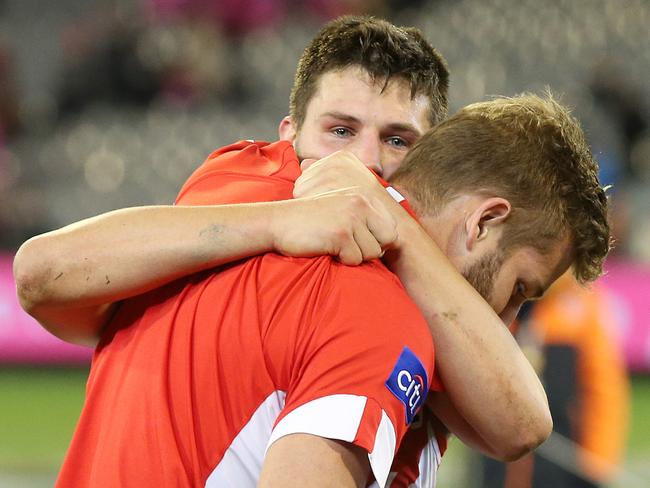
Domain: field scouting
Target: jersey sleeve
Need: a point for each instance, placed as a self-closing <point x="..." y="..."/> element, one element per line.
<point x="419" y="455"/>
<point x="244" y="172"/>
<point x="436" y="381"/>
<point x="364" y="369"/>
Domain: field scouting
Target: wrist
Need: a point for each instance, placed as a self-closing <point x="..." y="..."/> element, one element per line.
<point x="411" y="234"/>
<point x="405" y="248"/>
<point x="272" y="225"/>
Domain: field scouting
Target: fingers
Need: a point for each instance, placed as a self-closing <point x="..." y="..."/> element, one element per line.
<point x="383" y="227"/>
<point x="345" y="223"/>
<point x="306" y="164"/>
<point x="309" y="185"/>
<point x="319" y="176"/>
<point x="374" y="231"/>
<point x="340" y="169"/>
<point x="368" y="245"/>
<point x="350" y="254"/>
<point x="362" y="246"/>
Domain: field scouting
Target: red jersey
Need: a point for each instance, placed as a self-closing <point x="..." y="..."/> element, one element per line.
<point x="193" y="381"/>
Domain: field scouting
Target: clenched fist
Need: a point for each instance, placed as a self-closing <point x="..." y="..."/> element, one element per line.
<point x="341" y="169"/>
<point x="343" y="223"/>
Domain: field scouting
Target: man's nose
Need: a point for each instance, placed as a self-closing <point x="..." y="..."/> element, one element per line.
<point x="509" y="314"/>
<point x="368" y="150"/>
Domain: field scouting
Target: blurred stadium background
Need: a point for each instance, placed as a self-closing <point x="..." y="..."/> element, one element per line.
<point x="107" y="104"/>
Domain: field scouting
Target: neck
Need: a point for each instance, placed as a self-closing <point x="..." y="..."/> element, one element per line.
<point x="438" y="227"/>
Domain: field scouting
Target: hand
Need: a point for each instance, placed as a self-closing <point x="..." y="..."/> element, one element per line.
<point x="341" y="169"/>
<point x="343" y="223"/>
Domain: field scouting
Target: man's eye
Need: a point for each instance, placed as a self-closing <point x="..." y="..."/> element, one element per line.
<point x="397" y="142"/>
<point x="520" y="290"/>
<point x="341" y="131"/>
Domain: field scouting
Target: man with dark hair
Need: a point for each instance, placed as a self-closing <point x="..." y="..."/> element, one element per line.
<point x="382" y="51"/>
<point x="501" y="406"/>
<point x="362" y="52"/>
<point x="356" y="50"/>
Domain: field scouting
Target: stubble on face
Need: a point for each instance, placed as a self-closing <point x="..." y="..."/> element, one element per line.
<point x="482" y="274"/>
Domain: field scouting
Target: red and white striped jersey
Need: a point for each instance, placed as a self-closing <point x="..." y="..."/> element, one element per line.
<point x="193" y="381"/>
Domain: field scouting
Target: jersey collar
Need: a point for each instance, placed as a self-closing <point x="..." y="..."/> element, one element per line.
<point x="399" y="198"/>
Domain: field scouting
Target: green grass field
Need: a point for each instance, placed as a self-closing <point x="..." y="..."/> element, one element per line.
<point x="38" y="411"/>
<point x="39" y="408"/>
<point x="639" y="438"/>
<point x="454" y="470"/>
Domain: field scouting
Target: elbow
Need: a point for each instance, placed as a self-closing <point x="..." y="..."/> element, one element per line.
<point x="30" y="275"/>
<point x="526" y="439"/>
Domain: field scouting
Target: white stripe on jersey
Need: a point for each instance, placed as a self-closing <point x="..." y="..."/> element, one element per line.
<point x="381" y="457"/>
<point x="332" y="417"/>
<point x="242" y="463"/>
<point x="339" y="417"/>
<point x="429" y="462"/>
<point x="397" y="196"/>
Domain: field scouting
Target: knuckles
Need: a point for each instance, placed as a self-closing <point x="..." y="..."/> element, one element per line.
<point x="359" y="201"/>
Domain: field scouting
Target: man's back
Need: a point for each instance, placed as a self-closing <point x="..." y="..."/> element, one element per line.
<point x="189" y="380"/>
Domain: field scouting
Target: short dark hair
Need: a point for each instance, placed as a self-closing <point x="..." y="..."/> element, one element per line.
<point x="382" y="49"/>
<point x="529" y="150"/>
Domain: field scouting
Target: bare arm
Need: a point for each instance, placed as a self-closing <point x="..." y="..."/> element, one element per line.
<point x="489" y="381"/>
<point x="71" y="279"/>
<point x="130" y="251"/>
<point x="305" y="460"/>
<point x="487" y="377"/>
<point x="447" y="413"/>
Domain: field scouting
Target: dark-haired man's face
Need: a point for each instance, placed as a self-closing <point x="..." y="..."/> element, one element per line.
<point x="349" y="111"/>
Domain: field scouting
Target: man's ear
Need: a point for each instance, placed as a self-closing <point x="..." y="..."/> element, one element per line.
<point x="287" y="129"/>
<point x="485" y="219"/>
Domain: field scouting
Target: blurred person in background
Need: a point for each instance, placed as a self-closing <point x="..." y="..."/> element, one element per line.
<point x="388" y="165"/>
<point x="571" y="337"/>
<point x="10" y="124"/>
<point x="624" y="158"/>
<point x="627" y="110"/>
<point x="10" y="127"/>
<point x="183" y="52"/>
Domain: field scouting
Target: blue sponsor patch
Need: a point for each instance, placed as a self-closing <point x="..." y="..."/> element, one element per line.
<point x="408" y="382"/>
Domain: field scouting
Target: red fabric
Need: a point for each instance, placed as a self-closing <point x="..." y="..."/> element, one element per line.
<point x="181" y="370"/>
<point x="426" y="432"/>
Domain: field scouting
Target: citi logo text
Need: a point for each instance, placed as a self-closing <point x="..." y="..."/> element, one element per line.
<point x="408" y="382"/>
<point x="412" y="386"/>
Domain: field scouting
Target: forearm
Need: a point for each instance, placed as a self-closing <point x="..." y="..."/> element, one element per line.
<point x="70" y="279"/>
<point x="305" y="460"/>
<point x="130" y="251"/>
<point x="486" y="375"/>
<point x="123" y="253"/>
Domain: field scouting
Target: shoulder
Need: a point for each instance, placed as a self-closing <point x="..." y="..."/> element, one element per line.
<point x="246" y="171"/>
<point x="355" y="289"/>
<point x="366" y="300"/>
<point x="372" y="288"/>
<point x="249" y="157"/>
<point x="368" y="305"/>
